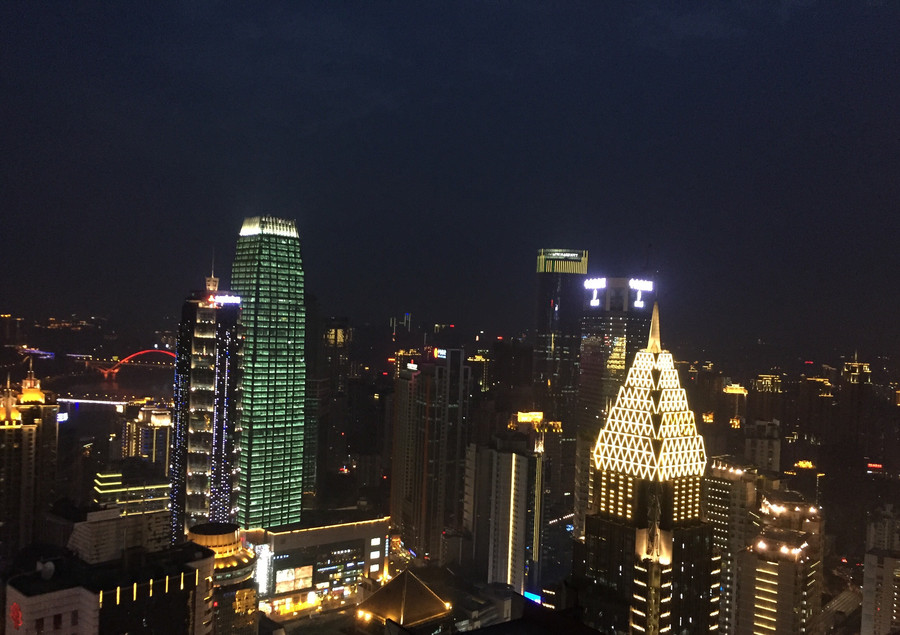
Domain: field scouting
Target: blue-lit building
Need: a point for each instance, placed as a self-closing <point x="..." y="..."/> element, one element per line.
<point x="207" y="380"/>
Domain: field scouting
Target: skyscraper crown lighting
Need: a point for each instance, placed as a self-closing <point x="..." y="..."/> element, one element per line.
<point x="651" y="432"/>
<point x="269" y="226"/>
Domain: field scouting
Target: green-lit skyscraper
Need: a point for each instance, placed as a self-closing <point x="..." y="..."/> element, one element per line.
<point x="268" y="275"/>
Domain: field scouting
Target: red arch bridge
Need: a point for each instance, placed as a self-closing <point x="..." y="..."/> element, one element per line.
<point x="112" y="368"/>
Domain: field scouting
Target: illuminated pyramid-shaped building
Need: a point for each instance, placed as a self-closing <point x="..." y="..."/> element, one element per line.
<point x="648" y="552"/>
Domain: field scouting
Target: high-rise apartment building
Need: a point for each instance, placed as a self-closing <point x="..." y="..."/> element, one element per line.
<point x="499" y="513"/>
<point x="881" y="576"/>
<point x="28" y="450"/>
<point x="647" y="548"/>
<point x="430" y="436"/>
<point x="268" y="276"/>
<point x="762" y="445"/>
<point x="780" y="576"/>
<point x="207" y="376"/>
<point x="616" y="319"/>
<point x="504" y="495"/>
<point x="731" y="506"/>
<point x="777" y="580"/>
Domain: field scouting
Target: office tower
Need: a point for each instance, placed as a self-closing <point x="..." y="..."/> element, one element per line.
<point x="207" y="376"/>
<point x="730" y="502"/>
<point x="560" y="279"/>
<point x="881" y="575"/>
<point x="268" y="276"/>
<point x="28" y="449"/>
<point x="431" y="404"/>
<point x="647" y="548"/>
<point x="614" y="326"/>
<point x="780" y="579"/>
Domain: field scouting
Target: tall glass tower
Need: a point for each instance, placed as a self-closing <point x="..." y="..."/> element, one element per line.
<point x="268" y="276"/>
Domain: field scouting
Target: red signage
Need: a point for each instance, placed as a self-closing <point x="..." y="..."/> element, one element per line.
<point x="874" y="466"/>
<point x="15" y="614"/>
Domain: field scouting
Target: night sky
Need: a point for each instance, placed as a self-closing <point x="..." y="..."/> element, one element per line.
<point x="747" y="153"/>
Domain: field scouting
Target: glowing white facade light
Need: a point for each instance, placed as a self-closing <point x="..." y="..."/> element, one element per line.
<point x="640" y="285"/>
<point x="263" y="572"/>
<point x="224" y="299"/>
<point x="595" y="284"/>
<point x="270" y="226"/>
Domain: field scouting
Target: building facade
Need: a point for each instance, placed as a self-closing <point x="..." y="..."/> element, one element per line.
<point x="234" y="593"/>
<point x="207" y="378"/>
<point x="777" y="578"/>
<point x="647" y="548"/>
<point x="28" y="455"/>
<point x="881" y="576"/>
<point x="780" y="576"/>
<point x="502" y="514"/>
<point x="560" y="280"/>
<point x="614" y="326"/>
<point x="731" y="507"/>
<point x="268" y="276"/>
<point x="147" y="434"/>
<point x="430" y="436"/>
<point x="303" y="568"/>
<point x="168" y="591"/>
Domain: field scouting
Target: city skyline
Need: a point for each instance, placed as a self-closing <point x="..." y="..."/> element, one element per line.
<point x="743" y="155"/>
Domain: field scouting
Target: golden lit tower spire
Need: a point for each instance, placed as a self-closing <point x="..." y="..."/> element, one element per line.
<point x="653" y="344"/>
<point x="31" y="386"/>
<point x="649" y="461"/>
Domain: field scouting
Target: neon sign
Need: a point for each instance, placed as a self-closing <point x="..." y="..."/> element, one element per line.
<point x="440" y="353"/>
<point x="640" y="285"/>
<point x="595" y="284"/>
<point x="224" y="299"/>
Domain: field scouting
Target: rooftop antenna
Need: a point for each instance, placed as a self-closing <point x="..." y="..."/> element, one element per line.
<point x="212" y="283"/>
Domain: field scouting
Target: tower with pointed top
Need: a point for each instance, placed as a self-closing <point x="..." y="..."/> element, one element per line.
<point x="206" y="394"/>
<point x="28" y="462"/>
<point x="648" y="550"/>
<point x="268" y="276"/>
